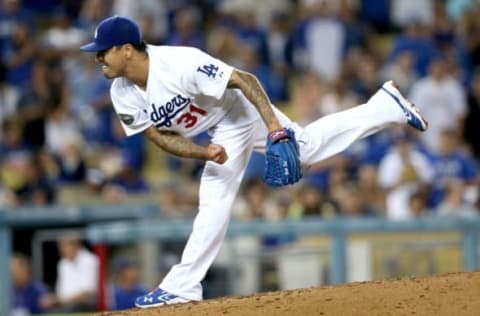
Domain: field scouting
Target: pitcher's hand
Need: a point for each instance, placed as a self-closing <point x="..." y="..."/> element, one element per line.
<point x="216" y="153"/>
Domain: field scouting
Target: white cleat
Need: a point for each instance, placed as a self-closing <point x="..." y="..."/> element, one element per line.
<point x="414" y="117"/>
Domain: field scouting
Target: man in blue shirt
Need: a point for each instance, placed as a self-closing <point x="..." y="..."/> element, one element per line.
<point x="29" y="296"/>
<point x="126" y="287"/>
<point x="450" y="163"/>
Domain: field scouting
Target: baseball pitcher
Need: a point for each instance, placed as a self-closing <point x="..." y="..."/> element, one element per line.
<point x="172" y="93"/>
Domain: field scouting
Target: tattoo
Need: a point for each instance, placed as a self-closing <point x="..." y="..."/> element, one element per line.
<point x="255" y="93"/>
<point x="176" y="144"/>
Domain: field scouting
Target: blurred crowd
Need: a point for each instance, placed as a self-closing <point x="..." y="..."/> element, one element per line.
<point x="314" y="58"/>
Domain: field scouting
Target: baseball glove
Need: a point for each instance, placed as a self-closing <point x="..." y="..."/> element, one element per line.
<point x="282" y="158"/>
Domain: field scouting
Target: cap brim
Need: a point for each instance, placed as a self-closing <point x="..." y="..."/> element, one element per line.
<point x="93" y="47"/>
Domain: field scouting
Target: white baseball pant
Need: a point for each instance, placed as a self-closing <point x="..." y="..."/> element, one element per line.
<point x="219" y="185"/>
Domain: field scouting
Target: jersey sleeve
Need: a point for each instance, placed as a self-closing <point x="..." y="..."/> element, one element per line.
<point x="130" y="107"/>
<point x="204" y="74"/>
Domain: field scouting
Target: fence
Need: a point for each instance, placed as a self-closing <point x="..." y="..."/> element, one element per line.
<point x="135" y="229"/>
<point x="337" y="229"/>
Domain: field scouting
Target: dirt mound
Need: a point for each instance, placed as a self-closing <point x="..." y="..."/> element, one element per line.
<point x="451" y="294"/>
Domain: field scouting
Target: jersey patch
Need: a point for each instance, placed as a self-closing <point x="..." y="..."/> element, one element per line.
<point x="126" y="118"/>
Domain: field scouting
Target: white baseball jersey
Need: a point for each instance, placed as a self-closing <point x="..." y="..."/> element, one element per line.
<point x="186" y="93"/>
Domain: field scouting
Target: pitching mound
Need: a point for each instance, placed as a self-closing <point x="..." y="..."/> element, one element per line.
<point x="451" y="294"/>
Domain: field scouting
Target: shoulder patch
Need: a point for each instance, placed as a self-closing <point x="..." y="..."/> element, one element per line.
<point x="126" y="118"/>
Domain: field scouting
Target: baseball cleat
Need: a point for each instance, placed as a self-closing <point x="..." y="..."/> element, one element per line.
<point x="158" y="297"/>
<point x="414" y="117"/>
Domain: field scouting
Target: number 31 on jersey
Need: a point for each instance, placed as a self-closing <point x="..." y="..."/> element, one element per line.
<point x="189" y="119"/>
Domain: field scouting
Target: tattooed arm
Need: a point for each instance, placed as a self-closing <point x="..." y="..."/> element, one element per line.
<point x="184" y="147"/>
<point x="254" y="92"/>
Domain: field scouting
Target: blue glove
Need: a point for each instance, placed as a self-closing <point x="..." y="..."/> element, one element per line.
<point x="282" y="158"/>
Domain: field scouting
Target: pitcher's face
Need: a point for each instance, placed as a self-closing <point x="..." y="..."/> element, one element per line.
<point x="112" y="61"/>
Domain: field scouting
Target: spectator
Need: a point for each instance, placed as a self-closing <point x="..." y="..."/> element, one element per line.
<point x="255" y="202"/>
<point x="356" y="30"/>
<point x="32" y="105"/>
<point x="450" y="163"/>
<point x="77" y="277"/>
<point x="49" y="164"/>
<point x="449" y="44"/>
<point x="130" y="181"/>
<point x="278" y="41"/>
<point x="456" y="8"/>
<point x="91" y="13"/>
<point x="22" y="173"/>
<point x="62" y="39"/>
<point x="473" y="117"/>
<point x="18" y="56"/>
<point x="469" y="26"/>
<point x="222" y="41"/>
<point x="401" y="70"/>
<point x="312" y="201"/>
<point x="454" y="203"/>
<point x="14" y="21"/>
<point x="186" y="32"/>
<point x="89" y="103"/>
<point x="329" y="175"/>
<point x="126" y="287"/>
<point x="367" y="183"/>
<point x="36" y="187"/>
<point x="12" y="143"/>
<point x="417" y="205"/>
<point x="319" y="41"/>
<point x="14" y="160"/>
<point x="30" y="296"/>
<point x="306" y="97"/>
<point x="403" y="11"/>
<point x="282" y="206"/>
<point x="376" y="13"/>
<point x="133" y="150"/>
<point x="60" y="127"/>
<point x="441" y="97"/>
<point x="250" y="61"/>
<point x="339" y="98"/>
<point x="176" y="201"/>
<point x="403" y="171"/>
<point x="71" y="163"/>
<point x="351" y="202"/>
<point x="416" y="40"/>
<point x="155" y="11"/>
<point x="247" y="31"/>
<point x="366" y="77"/>
<point x="13" y="13"/>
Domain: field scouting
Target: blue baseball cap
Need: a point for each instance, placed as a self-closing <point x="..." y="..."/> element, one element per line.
<point x="114" y="31"/>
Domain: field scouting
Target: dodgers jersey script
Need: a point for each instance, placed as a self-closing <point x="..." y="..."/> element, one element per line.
<point x="186" y="93"/>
